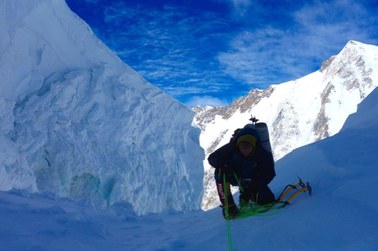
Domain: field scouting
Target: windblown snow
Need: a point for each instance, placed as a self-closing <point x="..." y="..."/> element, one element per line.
<point x="77" y="122"/>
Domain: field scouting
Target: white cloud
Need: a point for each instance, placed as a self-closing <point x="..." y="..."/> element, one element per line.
<point x="179" y="52"/>
<point x="258" y="57"/>
<point x="204" y="101"/>
<point x="166" y="47"/>
<point x="242" y="6"/>
<point x="274" y="55"/>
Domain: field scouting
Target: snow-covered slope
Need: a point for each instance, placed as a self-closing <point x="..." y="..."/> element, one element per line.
<point x="341" y="214"/>
<point x="298" y="112"/>
<point x="77" y="122"/>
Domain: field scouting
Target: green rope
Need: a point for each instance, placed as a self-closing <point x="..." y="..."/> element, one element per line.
<point x="227" y="214"/>
<point x="266" y="210"/>
<point x="239" y="183"/>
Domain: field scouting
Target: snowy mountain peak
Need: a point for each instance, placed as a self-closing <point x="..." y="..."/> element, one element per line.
<point x="355" y="58"/>
<point x="297" y="112"/>
<point x="77" y="122"/>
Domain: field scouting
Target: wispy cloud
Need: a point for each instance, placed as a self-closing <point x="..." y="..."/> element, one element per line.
<point x="204" y="101"/>
<point x="170" y="48"/>
<point x="274" y="54"/>
<point x="241" y="7"/>
<point x="212" y="52"/>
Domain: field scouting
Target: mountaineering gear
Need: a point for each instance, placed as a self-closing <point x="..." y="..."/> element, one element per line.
<point x="262" y="131"/>
<point x="251" y="208"/>
<point x="246" y="206"/>
<point x="262" y="196"/>
<point x="224" y="189"/>
<point x="246" y="139"/>
<point x="259" y="167"/>
<point x="246" y="163"/>
<point x="232" y="211"/>
<point x="227" y="213"/>
<point x="303" y="188"/>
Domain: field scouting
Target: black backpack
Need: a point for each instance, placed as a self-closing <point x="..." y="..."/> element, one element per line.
<point x="257" y="129"/>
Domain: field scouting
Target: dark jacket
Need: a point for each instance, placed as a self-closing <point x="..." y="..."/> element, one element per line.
<point x="259" y="168"/>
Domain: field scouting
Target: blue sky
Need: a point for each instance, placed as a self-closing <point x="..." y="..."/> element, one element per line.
<point x="210" y="52"/>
